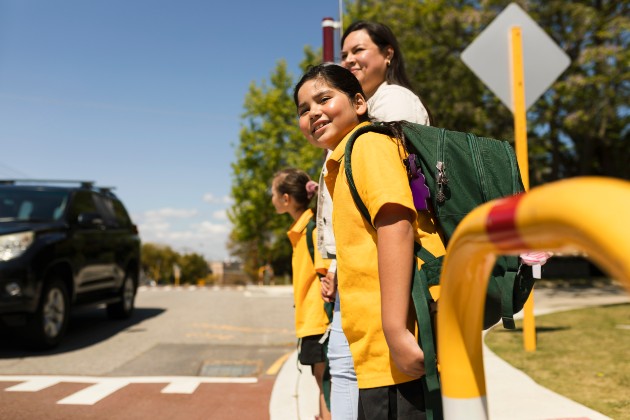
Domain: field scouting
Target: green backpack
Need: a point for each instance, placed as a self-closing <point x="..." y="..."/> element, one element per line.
<point x="461" y="172"/>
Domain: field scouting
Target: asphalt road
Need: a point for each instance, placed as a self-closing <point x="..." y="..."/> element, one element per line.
<point x="186" y="353"/>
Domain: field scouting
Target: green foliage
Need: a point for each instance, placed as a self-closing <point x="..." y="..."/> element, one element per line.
<point x="158" y="262"/>
<point x="270" y="140"/>
<point x="579" y="127"/>
<point x="432" y="35"/>
<point x="194" y="267"/>
<point x="587" y="110"/>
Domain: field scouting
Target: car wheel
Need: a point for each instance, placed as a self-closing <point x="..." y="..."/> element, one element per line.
<point x="123" y="309"/>
<point x="47" y="326"/>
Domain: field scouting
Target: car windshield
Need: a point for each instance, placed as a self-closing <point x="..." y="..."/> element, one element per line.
<point x="32" y="204"/>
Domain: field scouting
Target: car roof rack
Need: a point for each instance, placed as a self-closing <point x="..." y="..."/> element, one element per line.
<point x="83" y="184"/>
<point x="106" y="190"/>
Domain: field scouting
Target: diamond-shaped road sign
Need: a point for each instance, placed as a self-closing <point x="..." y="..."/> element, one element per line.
<point x="489" y="56"/>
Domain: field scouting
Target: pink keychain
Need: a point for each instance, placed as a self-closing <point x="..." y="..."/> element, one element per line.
<point x="536" y="260"/>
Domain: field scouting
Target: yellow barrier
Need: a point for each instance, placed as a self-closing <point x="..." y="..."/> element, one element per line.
<point x="589" y="214"/>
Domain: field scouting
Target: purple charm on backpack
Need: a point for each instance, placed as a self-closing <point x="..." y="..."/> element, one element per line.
<point x="418" y="184"/>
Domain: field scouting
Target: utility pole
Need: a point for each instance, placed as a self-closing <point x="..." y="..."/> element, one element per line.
<point x="328" y="29"/>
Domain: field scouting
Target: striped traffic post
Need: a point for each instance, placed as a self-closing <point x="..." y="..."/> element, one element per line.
<point x="586" y="215"/>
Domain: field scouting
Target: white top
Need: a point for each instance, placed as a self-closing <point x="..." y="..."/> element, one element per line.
<point x="325" y="237"/>
<point x="396" y="103"/>
<point x="389" y="103"/>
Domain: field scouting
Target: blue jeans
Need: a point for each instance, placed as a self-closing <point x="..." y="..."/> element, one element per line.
<point x="344" y="395"/>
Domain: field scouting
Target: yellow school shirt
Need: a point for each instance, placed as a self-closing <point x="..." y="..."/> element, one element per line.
<point x="380" y="178"/>
<point x="310" y="317"/>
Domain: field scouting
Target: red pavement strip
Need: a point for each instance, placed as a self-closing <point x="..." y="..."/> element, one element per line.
<point x="142" y="401"/>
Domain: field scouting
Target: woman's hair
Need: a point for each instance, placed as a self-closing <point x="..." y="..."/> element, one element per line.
<point x="337" y="77"/>
<point x="297" y="184"/>
<point x="383" y="37"/>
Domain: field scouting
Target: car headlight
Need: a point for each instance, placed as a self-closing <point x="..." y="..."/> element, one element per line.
<point x="13" y="245"/>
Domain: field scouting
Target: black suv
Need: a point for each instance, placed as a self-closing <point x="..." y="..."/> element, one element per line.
<point x="63" y="243"/>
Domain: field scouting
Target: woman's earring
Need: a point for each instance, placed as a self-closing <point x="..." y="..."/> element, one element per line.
<point x="388" y="63"/>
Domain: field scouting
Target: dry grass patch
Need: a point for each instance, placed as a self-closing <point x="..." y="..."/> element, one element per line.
<point x="581" y="354"/>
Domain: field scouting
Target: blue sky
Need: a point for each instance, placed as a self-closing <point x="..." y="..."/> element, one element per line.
<point x="143" y="95"/>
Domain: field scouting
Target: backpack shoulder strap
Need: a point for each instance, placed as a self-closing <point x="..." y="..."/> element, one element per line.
<point x="310" y="227"/>
<point x="421" y="252"/>
<point x="348" y="167"/>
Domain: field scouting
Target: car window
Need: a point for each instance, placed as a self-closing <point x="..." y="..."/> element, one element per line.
<point x="82" y="202"/>
<point x="32" y="204"/>
<point x="121" y="214"/>
<point x="106" y="208"/>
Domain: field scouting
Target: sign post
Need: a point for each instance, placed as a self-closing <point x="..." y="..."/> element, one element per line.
<point x="520" y="142"/>
<point x="517" y="61"/>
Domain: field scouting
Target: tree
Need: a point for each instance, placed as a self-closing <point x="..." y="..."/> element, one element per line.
<point x="586" y="116"/>
<point x="194" y="267"/>
<point x="432" y="35"/>
<point x="269" y="141"/>
<point x="579" y="127"/>
<point x="158" y="260"/>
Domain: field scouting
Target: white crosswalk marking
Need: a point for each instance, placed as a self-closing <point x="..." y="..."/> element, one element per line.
<point x="34" y="385"/>
<point x="181" y="387"/>
<point x="102" y="387"/>
<point x="93" y="394"/>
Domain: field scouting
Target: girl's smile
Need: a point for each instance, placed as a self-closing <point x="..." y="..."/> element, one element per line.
<point x="326" y="114"/>
<point x="319" y="124"/>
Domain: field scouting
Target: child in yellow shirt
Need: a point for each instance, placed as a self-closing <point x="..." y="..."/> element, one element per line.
<point x="375" y="258"/>
<point x="291" y="192"/>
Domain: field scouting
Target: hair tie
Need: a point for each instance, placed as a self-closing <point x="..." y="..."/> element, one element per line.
<point x="311" y="187"/>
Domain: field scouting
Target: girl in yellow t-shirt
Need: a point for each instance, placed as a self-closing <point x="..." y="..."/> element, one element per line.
<point x="374" y="265"/>
<point x="291" y="192"/>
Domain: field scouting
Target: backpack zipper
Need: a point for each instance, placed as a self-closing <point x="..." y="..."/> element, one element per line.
<point x="441" y="178"/>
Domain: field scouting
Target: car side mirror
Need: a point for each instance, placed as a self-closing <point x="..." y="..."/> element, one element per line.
<point x="90" y="220"/>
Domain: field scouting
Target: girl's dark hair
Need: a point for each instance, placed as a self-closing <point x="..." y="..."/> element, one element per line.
<point x="337" y="77"/>
<point x="293" y="182"/>
<point x="383" y="37"/>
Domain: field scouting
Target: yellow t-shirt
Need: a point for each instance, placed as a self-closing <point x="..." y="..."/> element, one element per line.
<point x="380" y="178"/>
<point x="310" y="317"/>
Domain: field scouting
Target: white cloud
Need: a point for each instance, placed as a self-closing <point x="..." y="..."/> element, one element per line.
<point x="220" y="215"/>
<point x="209" y="227"/>
<point x="154" y="226"/>
<point x="186" y="231"/>
<point x="169" y="212"/>
<point x="210" y="198"/>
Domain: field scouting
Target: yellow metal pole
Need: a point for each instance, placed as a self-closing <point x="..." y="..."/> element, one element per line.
<point x="520" y="140"/>
<point x="537" y="221"/>
<point x="518" y="99"/>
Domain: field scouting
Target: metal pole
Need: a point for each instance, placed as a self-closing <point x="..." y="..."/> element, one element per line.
<point x="538" y="220"/>
<point x="520" y="140"/>
<point x="328" y="29"/>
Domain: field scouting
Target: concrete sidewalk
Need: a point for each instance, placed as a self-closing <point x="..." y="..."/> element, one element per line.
<point x="511" y="394"/>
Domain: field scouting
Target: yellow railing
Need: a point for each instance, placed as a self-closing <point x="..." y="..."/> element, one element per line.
<point x="590" y="215"/>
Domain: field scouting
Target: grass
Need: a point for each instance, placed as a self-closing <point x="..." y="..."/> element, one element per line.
<point x="581" y="354"/>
